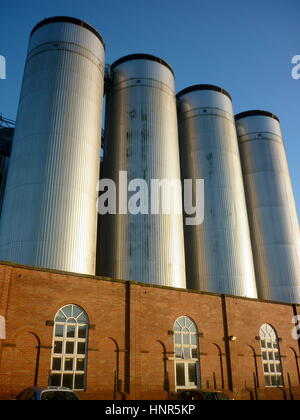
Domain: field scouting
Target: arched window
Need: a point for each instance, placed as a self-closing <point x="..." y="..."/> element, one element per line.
<point x="69" y="350"/>
<point x="271" y="356"/>
<point x="186" y="353"/>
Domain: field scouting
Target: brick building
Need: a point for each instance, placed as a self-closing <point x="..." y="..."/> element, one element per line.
<point x="125" y="340"/>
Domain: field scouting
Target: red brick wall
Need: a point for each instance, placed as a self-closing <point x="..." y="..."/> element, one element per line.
<point x="130" y="340"/>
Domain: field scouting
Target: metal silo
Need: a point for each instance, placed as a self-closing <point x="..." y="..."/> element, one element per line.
<point x="271" y="206"/>
<point x="49" y="216"/>
<point x="218" y="252"/>
<point x="141" y="138"/>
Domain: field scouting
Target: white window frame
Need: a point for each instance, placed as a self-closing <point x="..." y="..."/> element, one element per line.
<point x="271" y="359"/>
<point x="186" y="343"/>
<point x="70" y="316"/>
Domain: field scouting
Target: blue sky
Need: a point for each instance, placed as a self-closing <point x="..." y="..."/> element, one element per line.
<point x="243" y="46"/>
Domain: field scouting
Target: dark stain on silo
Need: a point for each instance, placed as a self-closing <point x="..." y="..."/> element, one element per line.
<point x="132" y="114"/>
<point x="128" y="143"/>
<point x="210" y="158"/>
<point x="144" y="115"/>
<point x="144" y="138"/>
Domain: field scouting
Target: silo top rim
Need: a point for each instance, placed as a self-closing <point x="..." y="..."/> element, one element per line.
<point x="142" y="57"/>
<point x="255" y="113"/>
<point x="67" y="19"/>
<point x="203" y="87"/>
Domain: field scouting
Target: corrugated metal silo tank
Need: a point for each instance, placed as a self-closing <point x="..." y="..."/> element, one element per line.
<point x="141" y="138"/>
<point x="271" y="206"/>
<point x="49" y="216"/>
<point x="218" y="252"/>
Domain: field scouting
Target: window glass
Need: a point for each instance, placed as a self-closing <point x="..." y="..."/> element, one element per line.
<point x="192" y="373"/>
<point x="68" y="311"/>
<point x="186" y="339"/>
<point x="81" y="348"/>
<point x="180" y="374"/>
<point x="181" y="322"/>
<point x="266" y="368"/>
<point x="59" y="331"/>
<point x="195" y="353"/>
<point x="194" y="339"/>
<point x="186" y="353"/>
<point x="56" y="363"/>
<point x="68" y="380"/>
<point x="79" y="381"/>
<point x="82" y="319"/>
<point x="68" y="364"/>
<point x="268" y="380"/>
<point x="60" y="317"/>
<point x="77" y="311"/>
<point x="188" y="322"/>
<point x="178" y="352"/>
<point x="71" y="331"/>
<point x="82" y="332"/>
<point x="58" y="347"/>
<point x="69" y="347"/>
<point x="80" y="364"/>
<point x="55" y="380"/>
<point x="177" y="338"/>
<point x="193" y="328"/>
